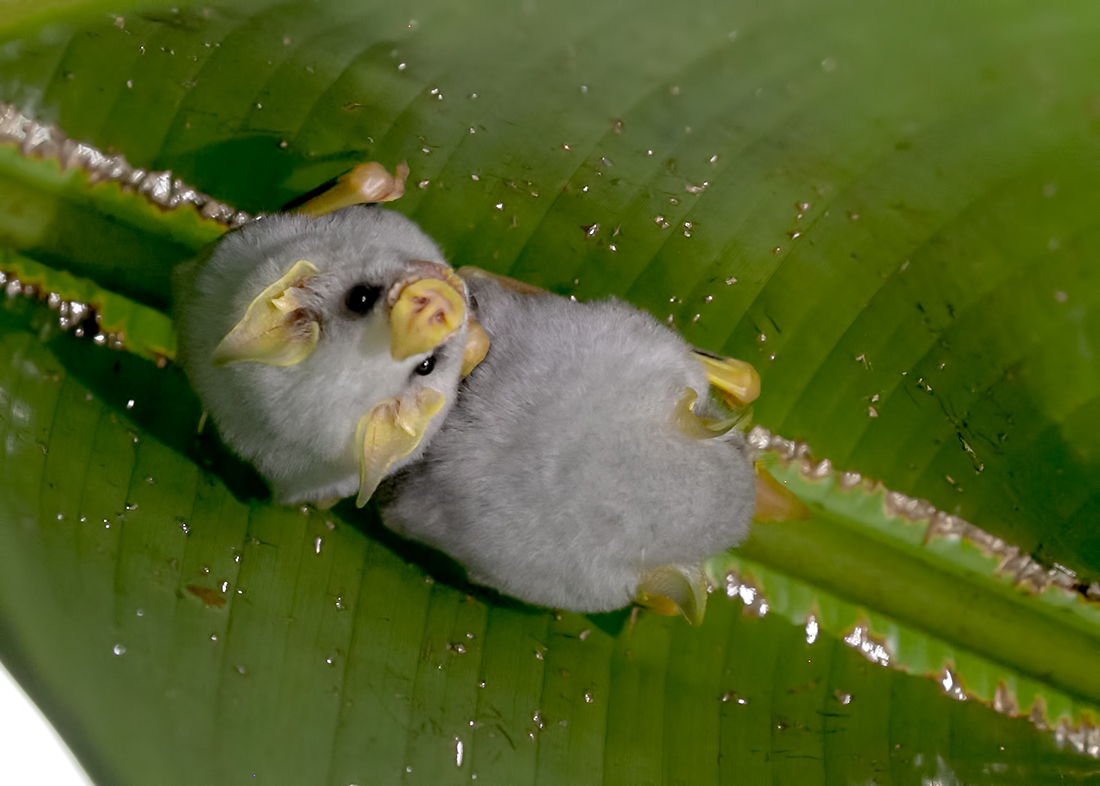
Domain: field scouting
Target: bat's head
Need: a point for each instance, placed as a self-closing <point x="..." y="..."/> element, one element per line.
<point x="339" y="339"/>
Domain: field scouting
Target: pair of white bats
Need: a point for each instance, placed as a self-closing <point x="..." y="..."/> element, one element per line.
<point x="578" y="456"/>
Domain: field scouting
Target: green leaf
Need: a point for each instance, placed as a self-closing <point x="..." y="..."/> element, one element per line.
<point x="889" y="211"/>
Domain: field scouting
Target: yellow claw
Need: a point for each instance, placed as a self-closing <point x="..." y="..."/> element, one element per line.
<point x="274" y="329"/>
<point x="365" y="184"/>
<point x="424" y="314"/>
<point x="672" y="590"/>
<point x="389" y="432"/>
<point x="737" y="381"/>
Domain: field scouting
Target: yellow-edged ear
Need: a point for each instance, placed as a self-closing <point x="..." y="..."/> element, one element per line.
<point x="389" y="432"/>
<point x="672" y="590"/>
<point x="274" y="329"/>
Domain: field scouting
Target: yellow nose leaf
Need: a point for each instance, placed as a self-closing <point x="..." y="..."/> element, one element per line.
<point x="426" y="312"/>
<point x="389" y="432"/>
<point x="274" y="329"/>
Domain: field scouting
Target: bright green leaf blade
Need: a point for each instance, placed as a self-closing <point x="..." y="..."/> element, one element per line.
<point x="931" y="323"/>
<point x="173" y="628"/>
<point x="947" y="173"/>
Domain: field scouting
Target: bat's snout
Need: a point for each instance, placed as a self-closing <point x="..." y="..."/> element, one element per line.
<point x="425" y="312"/>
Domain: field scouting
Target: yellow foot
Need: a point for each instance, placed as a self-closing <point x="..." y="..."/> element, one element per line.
<point x="736" y="381"/>
<point x="774" y="501"/>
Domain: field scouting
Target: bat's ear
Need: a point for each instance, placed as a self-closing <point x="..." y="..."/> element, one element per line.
<point x="366" y="184"/>
<point x="672" y="590"/>
<point x="774" y="501"/>
<point x="389" y="432"/>
<point x="275" y="329"/>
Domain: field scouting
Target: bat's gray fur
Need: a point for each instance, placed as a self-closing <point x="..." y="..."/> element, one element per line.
<point x="558" y="477"/>
<point x="297" y="423"/>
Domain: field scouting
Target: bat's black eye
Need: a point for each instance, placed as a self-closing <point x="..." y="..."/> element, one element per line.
<point x="427" y="367"/>
<point x="361" y="298"/>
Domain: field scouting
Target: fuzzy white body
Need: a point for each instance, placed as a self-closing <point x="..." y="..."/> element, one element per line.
<point x="559" y="478"/>
<point x="297" y="423"/>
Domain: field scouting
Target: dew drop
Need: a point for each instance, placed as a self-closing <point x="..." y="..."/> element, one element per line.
<point x="119" y="649"/>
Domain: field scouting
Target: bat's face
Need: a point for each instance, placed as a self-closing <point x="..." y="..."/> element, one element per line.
<point x="326" y="350"/>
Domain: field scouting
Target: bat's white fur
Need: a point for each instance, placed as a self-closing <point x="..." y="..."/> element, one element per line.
<point x="297" y="423"/>
<point x="558" y="477"/>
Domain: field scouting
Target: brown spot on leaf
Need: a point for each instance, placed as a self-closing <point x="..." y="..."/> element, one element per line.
<point x="210" y="598"/>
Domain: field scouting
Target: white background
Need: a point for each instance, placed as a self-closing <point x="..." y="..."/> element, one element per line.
<point x="31" y="753"/>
